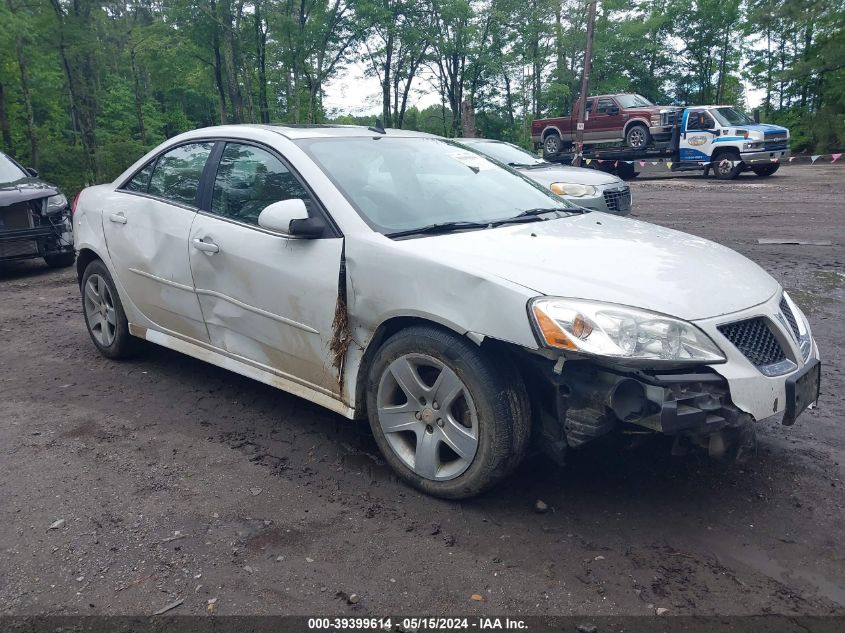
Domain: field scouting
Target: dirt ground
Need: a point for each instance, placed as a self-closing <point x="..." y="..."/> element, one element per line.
<point x="168" y="479"/>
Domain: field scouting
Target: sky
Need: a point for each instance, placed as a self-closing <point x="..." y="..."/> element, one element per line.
<point x="352" y="92"/>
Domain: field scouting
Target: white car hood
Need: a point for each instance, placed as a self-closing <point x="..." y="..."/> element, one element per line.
<point x="607" y="258"/>
<point x="547" y="174"/>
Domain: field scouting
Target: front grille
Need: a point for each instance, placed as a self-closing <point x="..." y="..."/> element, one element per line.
<point x="755" y="340"/>
<point x="790" y="318"/>
<point x="775" y="142"/>
<point x="618" y="199"/>
<point x="669" y="118"/>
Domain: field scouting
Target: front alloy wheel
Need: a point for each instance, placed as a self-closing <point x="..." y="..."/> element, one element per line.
<point x="450" y="418"/>
<point x="428" y="417"/>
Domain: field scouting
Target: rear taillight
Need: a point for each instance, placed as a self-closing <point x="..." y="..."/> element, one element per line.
<point x="74" y="203"/>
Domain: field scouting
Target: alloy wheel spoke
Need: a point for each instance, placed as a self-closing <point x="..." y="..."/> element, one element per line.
<point x="408" y="379"/>
<point x="401" y="418"/>
<point x="91" y="292"/>
<point x="110" y="317"/>
<point x="425" y="458"/>
<point x="446" y="388"/>
<point x="459" y="438"/>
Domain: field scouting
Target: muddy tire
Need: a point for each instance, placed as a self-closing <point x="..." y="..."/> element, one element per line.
<point x="552" y="146"/>
<point x="766" y="170"/>
<point x="637" y="137"/>
<point x="727" y="165"/>
<point x="60" y="260"/>
<point x="103" y="313"/>
<point x="448" y="419"/>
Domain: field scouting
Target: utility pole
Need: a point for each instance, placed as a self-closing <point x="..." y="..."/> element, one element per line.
<point x="585" y="85"/>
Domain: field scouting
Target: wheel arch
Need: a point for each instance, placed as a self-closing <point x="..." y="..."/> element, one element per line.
<point x="549" y="130"/>
<point x="83" y="258"/>
<point x="632" y="122"/>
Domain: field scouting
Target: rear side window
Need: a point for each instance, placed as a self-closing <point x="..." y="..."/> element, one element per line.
<point x="248" y="180"/>
<point x="141" y="180"/>
<point x="604" y="105"/>
<point x="177" y="173"/>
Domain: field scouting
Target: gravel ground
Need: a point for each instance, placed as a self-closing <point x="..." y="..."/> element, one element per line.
<point x="127" y="486"/>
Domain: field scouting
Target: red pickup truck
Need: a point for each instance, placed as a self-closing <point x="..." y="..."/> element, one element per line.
<point x="609" y="118"/>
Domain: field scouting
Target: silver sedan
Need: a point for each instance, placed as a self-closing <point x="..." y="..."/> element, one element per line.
<point x="588" y="188"/>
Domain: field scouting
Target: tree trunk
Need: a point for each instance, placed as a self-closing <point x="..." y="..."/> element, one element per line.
<point x="139" y="99"/>
<point x="261" y="57"/>
<point x="385" y="81"/>
<point x="34" y="158"/>
<point x="218" y="79"/>
<point x="5" y="128"/>
<point x="467" y="119"/>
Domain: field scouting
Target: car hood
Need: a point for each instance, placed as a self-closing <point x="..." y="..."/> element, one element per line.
<point x="23" y="190"/>
<point x="607" y="258"/>
<point x="547" y="174"/>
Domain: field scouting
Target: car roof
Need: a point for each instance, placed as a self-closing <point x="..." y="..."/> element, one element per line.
<point x="302" y="131"/>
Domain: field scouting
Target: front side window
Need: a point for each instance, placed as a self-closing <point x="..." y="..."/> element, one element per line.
<point x="403" y="183"/>
<point x="177" y="173"/>
<point x="700" y="121"/>
<point x="248" y="180"/>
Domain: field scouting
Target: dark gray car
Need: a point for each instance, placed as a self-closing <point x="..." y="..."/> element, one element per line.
<point x="585" y="187"/>
<point x="35" y="217"/>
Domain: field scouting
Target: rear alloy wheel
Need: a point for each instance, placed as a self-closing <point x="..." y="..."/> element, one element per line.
<point x="727" y="166"/>
<point x="637" y="137"/>
<point x="765" y="170"/>
<point x="104" y="314"/>
<point x="447" y="419"/>
<point x="551" y="145"/>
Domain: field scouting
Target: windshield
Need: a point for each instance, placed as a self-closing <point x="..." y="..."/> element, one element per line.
<point x="633" y="101"/>
<point x="9" y="171"/>
<point x="731" y="116"/>
<point x="404" y="183"/>
<point x="506" y="153"/>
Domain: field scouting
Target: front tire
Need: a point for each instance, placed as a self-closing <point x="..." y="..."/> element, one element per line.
<point x="551" y="146"/>
<point x="104" y="315"/>
<point x="727" y="165"/>
<point x="60" y="260"/>
<point x="765" y="170"/>
<point x="449" y="420"/>
<point x="637" y="137"/>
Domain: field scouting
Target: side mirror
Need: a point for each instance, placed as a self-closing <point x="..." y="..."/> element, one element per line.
<point x="756" y="115"/>
<point x="290" y="217"/>
<point x="32" y="172"/>
<point x="613" y="110"/>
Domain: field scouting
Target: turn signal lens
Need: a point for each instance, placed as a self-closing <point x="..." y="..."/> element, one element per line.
<point x="551" y="332"/>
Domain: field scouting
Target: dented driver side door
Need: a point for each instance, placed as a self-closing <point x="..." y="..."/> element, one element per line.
<point x="266" y="298"/>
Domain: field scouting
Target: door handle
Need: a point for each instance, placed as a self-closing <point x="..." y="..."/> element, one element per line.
<point x="205" y="247"/>
<point x="118" y="218"/>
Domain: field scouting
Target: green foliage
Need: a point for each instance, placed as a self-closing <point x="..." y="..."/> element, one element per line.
<point x="86" y="87"/>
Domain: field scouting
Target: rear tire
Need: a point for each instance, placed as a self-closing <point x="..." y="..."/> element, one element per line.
<point x="104" y="315"/>
<point x="461" y="446"/>
<point x="766" y="170"/>
<point x="727" y="165"/>
<point x="552" y="145"/>
<point x="637" y="137"/>
<point x="60" y="260"/>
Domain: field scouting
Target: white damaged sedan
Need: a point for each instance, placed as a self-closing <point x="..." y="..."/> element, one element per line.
<point x="462" y="309"/>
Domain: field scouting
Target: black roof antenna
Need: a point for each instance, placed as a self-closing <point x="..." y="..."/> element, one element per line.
<point x="378" y="127"/>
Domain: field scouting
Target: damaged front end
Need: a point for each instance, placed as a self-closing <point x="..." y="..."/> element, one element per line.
<point x="35" y="221"/>
<point x="579" y="401"/>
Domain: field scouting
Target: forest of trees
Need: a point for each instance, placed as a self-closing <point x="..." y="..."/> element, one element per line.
<point x="86" y="87"/>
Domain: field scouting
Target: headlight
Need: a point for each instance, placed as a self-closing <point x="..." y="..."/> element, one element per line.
<point x="617" y="331"/>
<point x="758" y="145"/>
<point x="56" y="203"/>
<point x="804" y="338"/>
<point x="572" y="189"/>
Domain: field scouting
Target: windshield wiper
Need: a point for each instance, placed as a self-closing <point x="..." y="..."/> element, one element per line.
<point x="441" y="227"/>
<point x="529" y="215"/>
